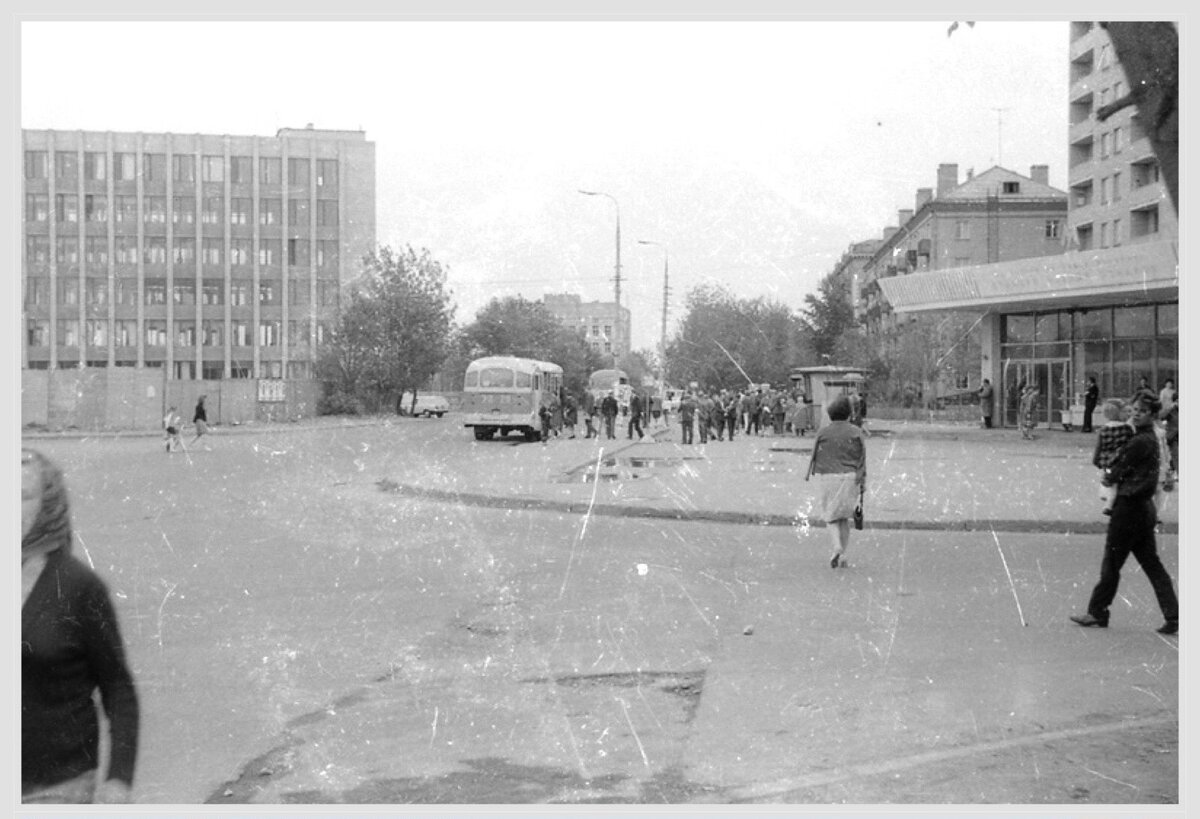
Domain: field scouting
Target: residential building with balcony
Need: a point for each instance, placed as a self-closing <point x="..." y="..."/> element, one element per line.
<point x="209" y="256"/>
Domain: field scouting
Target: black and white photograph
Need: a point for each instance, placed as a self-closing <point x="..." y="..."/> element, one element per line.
<point x="544" y="410"/>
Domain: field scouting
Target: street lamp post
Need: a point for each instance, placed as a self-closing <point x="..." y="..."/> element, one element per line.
<point x="662" y="349"/>
<point x="617" y="278"/>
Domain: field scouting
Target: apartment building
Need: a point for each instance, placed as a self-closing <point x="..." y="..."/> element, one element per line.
<point x="596" y="321"/>
<point x="209" y="256"/>
<point x="1108" y="307"/>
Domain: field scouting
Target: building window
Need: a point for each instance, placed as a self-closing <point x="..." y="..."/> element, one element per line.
<point x="241" y="170"/>
<point x="1143" y="173"/>
<point x="212" y="292"/>
<point x="95" y="166"/>
<point x="185" y="293"/>
<point x="298" y="369"/>
<point x="1053" y="228"/>
<point x="95" y="207"/>
<point x="268" y="293"/>
<point x="239" y="252"/>
<point x="212" y="168"/>
<point x="124" y="167"/>
<point x="297" y="333"/>
<point x="155" y="251"/>
<point x="183" y="210"/>
<point x="68" y="333"/>
<point x="125" y="209"/>
<point x="327" y="254"/>
<point x="270" y="212"/>
<point x="327" y="294"/>
<point x="270" y="170"/>
<point x="154" y="210"/>
<point x="38" y="333"/>
<point x="97" y="332"/>
<point x="37" y="207"/>
<point x="210" y="252"/>
<point x="213" y="335"/>
<point x="298" y="212"/>
<point x="36" y="164"/>
<point x="1116" y="187"/>
<point x="298" y="252"/>
<point x="239" y="333"/>
<point x="185" y="333"/>
<point x="125" y="333"/>
<point x="1011" y="187"/>
<point x="156" y="291"/>
<point x="327" y="174"/>
<point x="1116" y="232"/>
<point x="1105" y="144"/>
<point x="66" y="207"/>
<point x="68" y="292"/>
<point x="67" y="250"/>
<point x="270" y="252"/>
<point x="66" y="166"/>
<point x="126" y="293"/>
<point x="95" y="251"/>
<point x="268" y="334"/>
<point x="1116" y="142"/>
<point x="298" y="172"/>
<point x="962" y="229"/>
<point x="1143" y="222"/>
<point x="239" y="292"/>
<point x="156" y="333"/>
<point x="183" y="168"/>
<point x="37" y="291"/>
<point x="184" y="251"/>
<point x="1104" y="234"/>
<point x="37" y="250"/>
<point x="126" y="250"/>
<point x="327" y="213"/>
<point x="322" y="333"/>
<point x="239" y="210"/>
<point x="154" y="167"/>
<point x="298" y="295"/>
<point x="213" y="208"/>
<point x="1105" y="190"/>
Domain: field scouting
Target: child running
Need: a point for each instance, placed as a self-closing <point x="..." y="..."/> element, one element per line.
<point x="171" y="423"/>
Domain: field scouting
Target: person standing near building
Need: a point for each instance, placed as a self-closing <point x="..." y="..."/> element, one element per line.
<point x="1112" y="438"/>
<point x="608" y="411"/>
<point x="856" y="415"/>
<point x="704" y="410"/>
<point x="71" y="649"/>
<point x="1028" y="410"/>
<point x="986" y="401"/>
<point x="1131" y="527"/>
<point x="200" y="419"/>
<point x="839" y="463"/>
<point x="1169" y="415"/>
<point x="570" y="413"/>
<point x="589" y="415"/>
<point x="171" y="424"/>
<point x="1090" y="396"/>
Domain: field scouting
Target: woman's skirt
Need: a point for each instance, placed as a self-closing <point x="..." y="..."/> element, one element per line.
<point x="837" y="495"/>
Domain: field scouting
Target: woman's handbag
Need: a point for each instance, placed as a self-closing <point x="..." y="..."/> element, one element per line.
<point x="858" y="511"/>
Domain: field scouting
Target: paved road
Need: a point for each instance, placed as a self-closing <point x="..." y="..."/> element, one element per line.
<point x="348" y="614"/>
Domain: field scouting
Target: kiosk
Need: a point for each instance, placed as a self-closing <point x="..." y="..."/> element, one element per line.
<point x="822" y="384"/>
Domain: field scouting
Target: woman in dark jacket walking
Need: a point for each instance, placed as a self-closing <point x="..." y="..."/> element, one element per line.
<point x="839" y="463"/>
<point x="71" y="648"/>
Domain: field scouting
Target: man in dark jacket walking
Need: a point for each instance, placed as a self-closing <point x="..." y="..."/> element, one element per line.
<point x="687" y="416"/>
<point x="635" y="415"/>
<point x="1131" y="527"/>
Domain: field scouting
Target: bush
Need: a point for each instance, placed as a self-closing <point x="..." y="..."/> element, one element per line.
<point x="340" y="403"/>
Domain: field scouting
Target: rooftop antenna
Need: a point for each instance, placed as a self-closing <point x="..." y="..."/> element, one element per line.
<point x="999" y="135"/>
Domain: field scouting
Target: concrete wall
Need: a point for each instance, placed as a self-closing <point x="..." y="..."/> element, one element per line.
<point x="127" y="398"/>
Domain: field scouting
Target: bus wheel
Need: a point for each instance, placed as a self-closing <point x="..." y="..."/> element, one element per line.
<point x="483" y="433"/>
<point x="532" y="435"/>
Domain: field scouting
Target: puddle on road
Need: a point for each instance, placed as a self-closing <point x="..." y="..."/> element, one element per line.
<point x="614" y="468"/>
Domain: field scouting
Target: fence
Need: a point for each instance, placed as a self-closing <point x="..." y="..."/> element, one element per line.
<point x="126" y="398"/>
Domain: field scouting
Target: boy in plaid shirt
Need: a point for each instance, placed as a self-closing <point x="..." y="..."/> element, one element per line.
<point x="1111" y="438"/>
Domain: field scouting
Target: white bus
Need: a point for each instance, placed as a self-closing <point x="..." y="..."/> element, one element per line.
<point x="504" y="393"/>
<point x="602" y="382"/>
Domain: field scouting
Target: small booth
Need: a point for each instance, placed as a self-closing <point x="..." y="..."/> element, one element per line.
<point x="821" y="384"/>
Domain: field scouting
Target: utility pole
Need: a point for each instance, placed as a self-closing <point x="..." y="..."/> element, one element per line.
<point x="999" y="134"/>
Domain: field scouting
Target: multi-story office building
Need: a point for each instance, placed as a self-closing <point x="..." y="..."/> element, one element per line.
<point x="596" y="321"/>
<point x="209" y="256"/>
<point x="1109" y="306"/>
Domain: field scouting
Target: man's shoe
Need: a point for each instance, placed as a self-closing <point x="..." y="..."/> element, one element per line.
<point x="1169" y="627"/>
<point x="1088" y="621"/>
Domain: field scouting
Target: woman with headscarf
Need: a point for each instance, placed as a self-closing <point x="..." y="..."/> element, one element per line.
<point x="71" y="648"/>
<point x="839" y="463"/>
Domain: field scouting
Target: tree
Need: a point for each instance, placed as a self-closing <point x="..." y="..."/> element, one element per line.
<point x="394" y="328"/>
<point x="828" y="315"/>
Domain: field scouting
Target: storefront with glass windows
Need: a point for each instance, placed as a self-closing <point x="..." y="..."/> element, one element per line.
<point x="1058" y="350"/>
<point x="1054" y="321"/>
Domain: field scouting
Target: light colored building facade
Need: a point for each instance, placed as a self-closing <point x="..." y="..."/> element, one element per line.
<point x="596" y="321"/>
<point x="848" y="272"/>
<point x="209" y="256"/>
<point x="1106" y="308"/>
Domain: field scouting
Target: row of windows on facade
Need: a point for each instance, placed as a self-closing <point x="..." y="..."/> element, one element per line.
<point x="1142" y="222"/>
<point x="213" y="168"/>
<point x="1111" y="143"/>
<point x="1112" y="188"/>
<point x="182" y="210"/>
<point x="186" y="370"/>
<point x="1138" y="321"/>
<point x="95" y="292"/>
<point x="181" y="251"/>
<point x="156" y="333"/>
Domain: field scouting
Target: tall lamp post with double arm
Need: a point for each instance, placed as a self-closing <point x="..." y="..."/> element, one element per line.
<point x="617" y="278"/>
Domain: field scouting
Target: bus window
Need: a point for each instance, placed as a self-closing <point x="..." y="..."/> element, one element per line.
<point x="525" y="380"/>
<point x="472" y="379"/>
<point x="496" y="378"/>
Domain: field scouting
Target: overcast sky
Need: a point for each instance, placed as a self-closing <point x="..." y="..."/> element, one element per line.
<point x="755" y="152"/>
